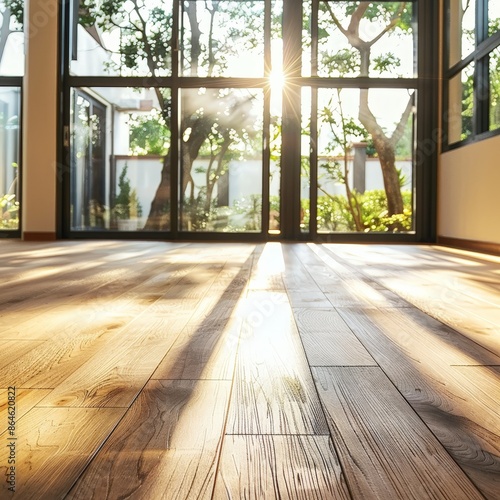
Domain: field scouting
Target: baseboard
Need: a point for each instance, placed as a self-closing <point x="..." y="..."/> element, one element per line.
<point x="32" y="236"/>
<point x="472" y="245"/>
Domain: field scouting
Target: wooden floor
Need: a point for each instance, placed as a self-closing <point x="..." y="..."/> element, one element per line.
<point x="211" y="371"/>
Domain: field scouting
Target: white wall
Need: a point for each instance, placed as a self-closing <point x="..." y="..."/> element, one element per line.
<point x="39" y="120"/>
<point x="469" y="192"/>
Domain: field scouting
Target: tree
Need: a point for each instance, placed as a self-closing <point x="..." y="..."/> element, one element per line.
<point x="386" y="18"/>
<point x="343" y="130"/>
<point x="12" y="12"/>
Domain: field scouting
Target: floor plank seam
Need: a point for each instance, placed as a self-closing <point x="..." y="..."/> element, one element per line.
<point x="323" y="410"/>
<point x="244" y="292"/>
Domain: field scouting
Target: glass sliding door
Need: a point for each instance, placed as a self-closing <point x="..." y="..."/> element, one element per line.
<point x="221" y="180"/>
<point x="211" y="71"/>
<point x="362" y="138"/>
<point x="10" y="98"/>
<point x="192" y="118"/>
<point x="364" y="182"/>
<point x="11" y="73"/>
<point x="120" y="164"/>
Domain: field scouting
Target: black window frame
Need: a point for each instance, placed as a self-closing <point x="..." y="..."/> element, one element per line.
<point x="425" y="82"/>
<point x="485" y="44"/>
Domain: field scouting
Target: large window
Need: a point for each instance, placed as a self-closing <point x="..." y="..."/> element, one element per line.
<point x="256" y="117"/>
<point x="473" y="70"/>
<point x="208" y="66"/>
<point x="11" y="71"/>
<point x="358" y="167"/>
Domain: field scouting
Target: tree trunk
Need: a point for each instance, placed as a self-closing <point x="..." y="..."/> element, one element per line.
<point x="159" y="213"/>
<point x="4" y="31"/>
<point x="385" y="148"/>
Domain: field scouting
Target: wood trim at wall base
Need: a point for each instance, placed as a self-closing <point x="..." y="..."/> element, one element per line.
<point x="472" y="245"/>
<point x="32" y="236"/>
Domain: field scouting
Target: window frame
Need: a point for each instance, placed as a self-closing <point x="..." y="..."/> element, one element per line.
<point x="485" y="44"/>
<point x="425" y="82"/>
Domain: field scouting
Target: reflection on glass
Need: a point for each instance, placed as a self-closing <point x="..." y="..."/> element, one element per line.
<point x="495" y="89"/>
<point x="305" y="162"/>
<point x="275" y="163"/>
<point x="122" y="38"/>
<point x="377" y="40"/>
<point x="493" y="17"/>
<point x="222" y="38"/>
<point x="120" y="162"/>
<point x="9" y="156"/>
<point x="461" y="105"/>
<point x="221" y="160"/>
<point x="12" y="39"/>
<point x="462" y="29"/>
<point x="365" y="166"/>
<point x="306" y="37"/>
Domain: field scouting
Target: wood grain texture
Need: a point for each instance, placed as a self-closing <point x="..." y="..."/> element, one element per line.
<point x="115" y="374"/>
<point x="327" y="339"/>
<point x="24" y="400"/>
<point x="386" y="450"/>
<point x="53" y="446"/>
<point x="95" y="320"/>
<point x="166" y="446"/>
<point x="207" y="346"/>
<point x="280" y="467"/>
<point x="457" y="288"/>
<point x="273" y="392"/>
<point x="308" y="299"/>
<point x="443" y="345"/>
<point x="467" y="425"/>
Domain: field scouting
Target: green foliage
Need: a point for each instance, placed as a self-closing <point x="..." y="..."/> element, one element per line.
<point x="244" y="215"/>
<point x="386" y="62"/>
<point x="127" y="204"/>
<point x="9" y="211"/>
<point x="343" y="62"/>
<point x="495" y="89"/>
<point x="493" y="26"/>
<point x="149" y="134"/>
<point x="384" y="12"/>
<point x="334" y="214"/>
<point x="145" y="33"/>
<point x="468" y="106"/>
<point x="16" y="9"/>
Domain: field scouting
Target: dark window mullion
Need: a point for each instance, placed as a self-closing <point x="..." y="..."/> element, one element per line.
<point x="266" y="139"/>
<point x="481" y="74"/>
<point x="481" y="96"/>
<point x="174" y="124"/>
<point x="291" y="130"/>
<point x="313" y="167"/>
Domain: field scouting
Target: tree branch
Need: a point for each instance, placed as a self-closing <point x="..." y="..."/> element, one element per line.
<point x="356" y="17"/>
<point x="335" y="19"/>
<point x="393" y="22"/>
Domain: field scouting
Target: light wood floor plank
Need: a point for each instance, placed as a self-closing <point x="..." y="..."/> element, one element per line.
<point x="23" y="401"/>
<point x="114" y="376"/>
<point x="166" y="447"/>
<point x="386" y="450"/>
<point x="469" y="428"/>
<point x="455" y="287"/>
<point x="207" y="346"/>
<point x="53" y="447"/>
<point x="274" y="392"/>
<point x="327" y="339"/>
<point x="280" y="467"/>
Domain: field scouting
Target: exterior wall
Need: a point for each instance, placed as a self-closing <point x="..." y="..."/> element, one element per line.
<point x="468" y="192"/>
